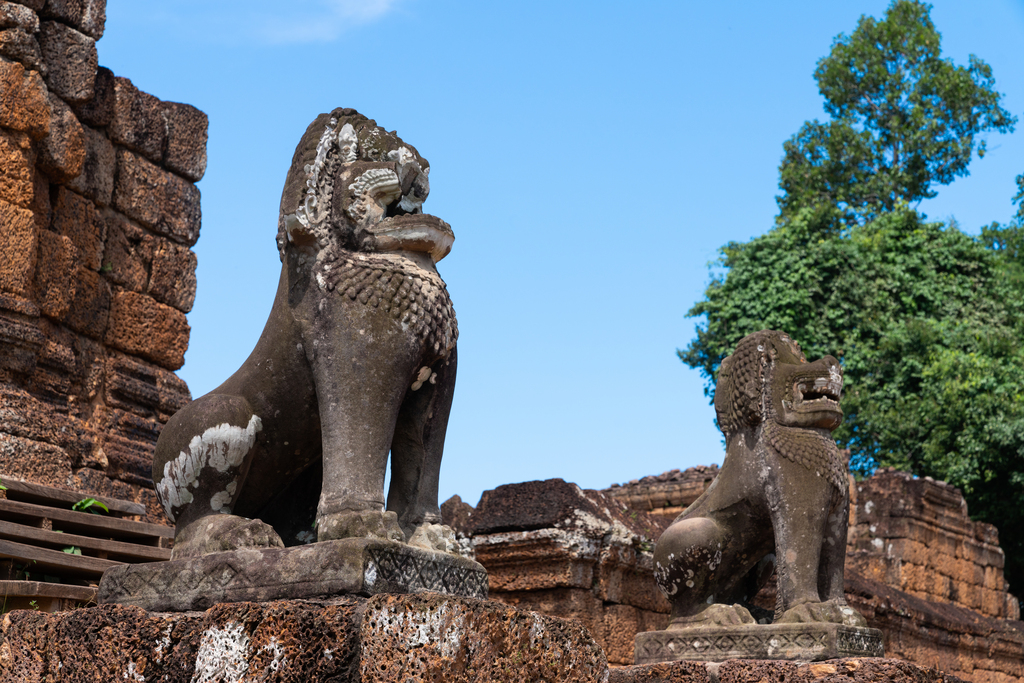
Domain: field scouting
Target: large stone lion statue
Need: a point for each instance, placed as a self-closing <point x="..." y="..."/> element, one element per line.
<point x="780" y="502"/>
<point x="357" y="360"/>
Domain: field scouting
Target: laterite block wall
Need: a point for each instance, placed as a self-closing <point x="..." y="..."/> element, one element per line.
<point x="99" y="210"/>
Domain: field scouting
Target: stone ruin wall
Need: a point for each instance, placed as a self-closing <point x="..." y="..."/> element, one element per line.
<point x="554" y="548"/>
<point x="915" y="535"/>
<point x="99" y="210"/>
<point x="551" y="547"/>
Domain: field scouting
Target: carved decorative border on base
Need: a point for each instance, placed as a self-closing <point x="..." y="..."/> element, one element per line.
<point x="808" y="642"/>
<point x="392" y="569"/>
<point x="349" y="566"/>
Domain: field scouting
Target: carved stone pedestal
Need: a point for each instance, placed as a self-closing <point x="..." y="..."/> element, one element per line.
<point x="806" y="642"/>
<point x="352" y="566"/>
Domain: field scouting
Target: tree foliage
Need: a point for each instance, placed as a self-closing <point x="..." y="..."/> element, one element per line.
<point x="927" y="328"/>
<point x="903" y="119"/>
<point x="926" y="320"/>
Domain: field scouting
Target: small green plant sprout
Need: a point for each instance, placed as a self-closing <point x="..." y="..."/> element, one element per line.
<point x="2" y="487"/>
<point x="73" y="550"/>
<point x="107" y="267"/>
<point x="91" y="505"/>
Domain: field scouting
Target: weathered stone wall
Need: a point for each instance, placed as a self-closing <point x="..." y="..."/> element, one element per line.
<point x="665" y="494"/>
<point x="915" y="535"/>
<point x="942" y="635"/>
<point x="99" y="210"/>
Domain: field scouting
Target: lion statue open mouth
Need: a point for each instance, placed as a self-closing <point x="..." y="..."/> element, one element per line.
<point x="357" y="360"/>
<point x="780" y="502"/>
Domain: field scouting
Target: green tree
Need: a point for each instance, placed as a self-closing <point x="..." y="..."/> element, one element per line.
<point x="903" y="119"/>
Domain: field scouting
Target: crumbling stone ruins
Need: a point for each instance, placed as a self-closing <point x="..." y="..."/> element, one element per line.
<point x="212" y="575"/>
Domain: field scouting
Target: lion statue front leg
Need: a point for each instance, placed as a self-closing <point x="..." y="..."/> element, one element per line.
<point x="414" y="389"/>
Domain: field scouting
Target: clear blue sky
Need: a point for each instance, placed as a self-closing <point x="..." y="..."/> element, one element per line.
<point x="591" y="158"/>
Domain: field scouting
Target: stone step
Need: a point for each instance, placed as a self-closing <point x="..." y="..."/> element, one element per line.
<point x="99" y="547"/>
<point x="87" y="524"/>
<point x="50" y="496"/>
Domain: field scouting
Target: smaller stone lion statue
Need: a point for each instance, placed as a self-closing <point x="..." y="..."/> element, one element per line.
<point x="357" y="360"/>
<point x="780" y="502"/>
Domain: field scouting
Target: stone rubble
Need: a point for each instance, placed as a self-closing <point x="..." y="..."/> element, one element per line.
<point x="552" y="547"/>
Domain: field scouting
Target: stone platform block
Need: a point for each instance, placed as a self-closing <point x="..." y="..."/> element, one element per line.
<point x="383" y="639"/>
<point x="849" y="670"/>
<point x="805" y="642"/>
<point x="351" y="566"/>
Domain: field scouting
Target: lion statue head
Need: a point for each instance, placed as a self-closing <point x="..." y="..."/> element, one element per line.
<point x="355" y="186"/>
<point x="767" y="388"/>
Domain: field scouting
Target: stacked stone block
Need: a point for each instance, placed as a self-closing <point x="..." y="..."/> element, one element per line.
<point x="99" y="211"/>
<point x="666" y="494"/>
<point x="915" y="535"/>
<point x="554" y="548"/>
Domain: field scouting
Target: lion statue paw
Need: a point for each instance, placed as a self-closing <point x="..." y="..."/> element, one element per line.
<point x="715" y="615"/>
<point x="359" y="524"/>
<point x="831" y="611"/>
<point x="221" y="533"/>
<point x="434" y="537"/>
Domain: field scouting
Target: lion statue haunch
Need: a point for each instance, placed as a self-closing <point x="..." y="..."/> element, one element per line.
<point x="779" y="503"/>
<point x="357" y="360"/>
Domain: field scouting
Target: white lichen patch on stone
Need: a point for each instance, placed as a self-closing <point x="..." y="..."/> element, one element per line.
<point x="716" y="560"/>
<point x="662" y="575"/>
<point x="442" y="627"/>
<point x="369" y="575"/>
<point x="275" y="649"/>
<point x="221" y="447"/>
<point x="614" y="532"/>
<point x="164" y="643"/>
<point x="221" y="501"/>
<point x="132" y="674"/>
<point x="574" y="543"/>
<point x="537" y="630"/>
<point x="223" y="655"/>
<point x="422" y="376"/>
